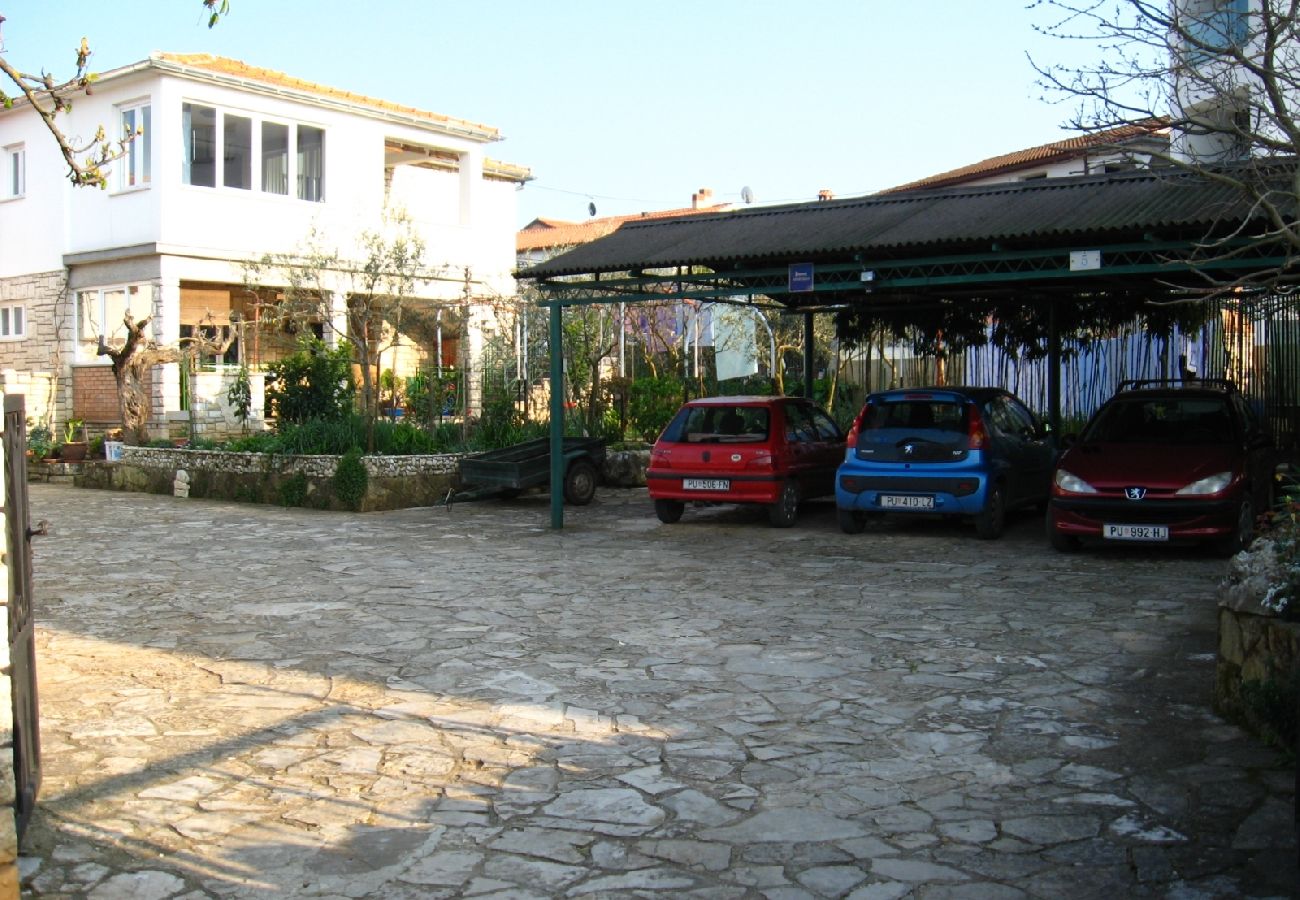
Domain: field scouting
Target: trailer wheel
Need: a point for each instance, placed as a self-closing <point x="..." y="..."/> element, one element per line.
<point x="580" y="482"/>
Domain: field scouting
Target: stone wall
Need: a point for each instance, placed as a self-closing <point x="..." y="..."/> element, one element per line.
<point x="394" y="482"/>
<point x="30" y="366"/>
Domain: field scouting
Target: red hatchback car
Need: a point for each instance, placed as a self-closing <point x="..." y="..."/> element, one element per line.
<point x="774" y="451"/>
<point x="1165" y="462"/>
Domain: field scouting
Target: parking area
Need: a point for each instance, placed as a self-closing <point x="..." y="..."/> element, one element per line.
<point x="248" y="701"/>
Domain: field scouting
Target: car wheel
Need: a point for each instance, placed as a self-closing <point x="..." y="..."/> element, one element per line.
<point x="669" y="511"/>
<point x="782" y="513"/>
<point x="1241" y="534"/>
<point x="851" y="521"/>
<point x="990" y="520"/>
<point x="580" y="482"/>
<point x="1064" y="543"/>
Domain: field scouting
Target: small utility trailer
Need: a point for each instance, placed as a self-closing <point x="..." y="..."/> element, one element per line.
<point x="511" y="470"/>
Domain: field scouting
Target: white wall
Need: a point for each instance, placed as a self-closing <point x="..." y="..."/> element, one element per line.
<point x="227" y="223"/>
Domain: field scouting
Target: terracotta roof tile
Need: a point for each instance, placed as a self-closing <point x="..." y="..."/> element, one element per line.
<point x="1034" y="156"/>
<point x="546" y="234"/>
<point x="219" y="65"/>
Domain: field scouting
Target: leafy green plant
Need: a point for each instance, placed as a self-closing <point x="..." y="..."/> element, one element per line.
<point x="240" y="396"/>
<point x="351" y="479"/>
<point x="652" y="403"/>
<point x="40" y="440"/>
<point x="430" y="396"/>
<point x="71" y="428"/>
<point x="313" y="383"/>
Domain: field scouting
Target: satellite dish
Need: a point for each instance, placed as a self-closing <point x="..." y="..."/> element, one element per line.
<point x="591" y="209"/>
<point x="747" y="194"/>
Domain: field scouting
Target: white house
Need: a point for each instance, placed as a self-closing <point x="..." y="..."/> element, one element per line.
<point x="231" y="162"/>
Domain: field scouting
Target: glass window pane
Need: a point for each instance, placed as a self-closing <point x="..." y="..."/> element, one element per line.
<point x="275" y="158"/>
<point x="311" y="163"/>
<point x="114" y="311"/>
<point x="4" y="322"/>
<point x="140" y="298"/>
<point x="238" y="152"/>
<point x="200" y="136"/>
<point x="88" y="317"/>
<point x="19" y="325"/>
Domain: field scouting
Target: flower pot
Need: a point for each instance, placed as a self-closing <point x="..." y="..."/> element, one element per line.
<point x="73" y="451"/>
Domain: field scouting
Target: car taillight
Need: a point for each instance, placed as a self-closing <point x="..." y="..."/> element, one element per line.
<point x="852" y="440"/>
<point x="659" y="457"/>
<point x="976" y="436"/>
<point x="761" y="461"/>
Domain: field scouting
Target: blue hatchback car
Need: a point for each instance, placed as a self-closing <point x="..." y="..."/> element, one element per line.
<point x="953" y="451"/>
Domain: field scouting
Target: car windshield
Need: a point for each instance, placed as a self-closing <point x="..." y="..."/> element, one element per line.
<point x="718" y="425"/>
<point x="1162" y="420"/>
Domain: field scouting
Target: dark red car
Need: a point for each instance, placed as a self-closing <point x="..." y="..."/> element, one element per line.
<point x="1165" y="462"/>
<point x="774" y="451"/>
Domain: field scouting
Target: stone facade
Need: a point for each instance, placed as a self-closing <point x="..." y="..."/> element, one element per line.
<point x="32" y="365"/>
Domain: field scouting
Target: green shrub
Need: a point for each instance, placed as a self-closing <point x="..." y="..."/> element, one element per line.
<point x="652" y="403"/>
<point x="351" y="479"/>
<point x="293" y="490"/>
<point x="313" y="383"/>
<point x="423" y="409"/>
<point x="259" y="442"/>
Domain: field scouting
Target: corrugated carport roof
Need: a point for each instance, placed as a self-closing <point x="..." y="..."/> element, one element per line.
<point x="1168" y="203"/>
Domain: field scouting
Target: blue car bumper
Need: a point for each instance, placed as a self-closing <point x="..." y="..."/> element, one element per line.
<point x="947" y="490"/>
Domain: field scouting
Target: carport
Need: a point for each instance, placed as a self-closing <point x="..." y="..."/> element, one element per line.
<point x="1049" y="251"/>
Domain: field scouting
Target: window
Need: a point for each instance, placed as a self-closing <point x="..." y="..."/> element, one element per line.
<point x="1217" y="24"/>
<point x="237" y="148"/>
<point x="15" y="172"/>
<point x="311" y="163"/>
<point x="133" y="170"/>
<point x="269" y="156"/>
<point x="13" y="321"/>
<point x="200" y="134"/>
<point x="275" y="158"/>
<point x="100" y="313"/>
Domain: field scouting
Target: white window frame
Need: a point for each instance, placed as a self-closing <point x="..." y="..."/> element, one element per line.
<point x="13" y="321"/>
<point x="13" y="181"/>
<point x="88" y="344"/>
<point x="296" y="185"/>
<point x="134" y="169"/>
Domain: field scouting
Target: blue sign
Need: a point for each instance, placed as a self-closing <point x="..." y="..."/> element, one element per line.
<point x="801" y="278"/>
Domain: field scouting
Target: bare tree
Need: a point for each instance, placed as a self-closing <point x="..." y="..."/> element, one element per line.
<point x="131" y="361"/>
<point x="50" y="96"/>
<point x="1224" y="74"/>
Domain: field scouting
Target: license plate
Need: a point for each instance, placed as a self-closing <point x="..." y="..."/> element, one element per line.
<point x="1135" y="532"/>
<point x="706" y="484"/>
<point x="904" y="501"/>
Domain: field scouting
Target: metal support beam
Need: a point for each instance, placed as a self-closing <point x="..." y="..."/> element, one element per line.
<point x="1053" y="370"/>
<point x="808" y="355"/>
<point x="557" y="416"/>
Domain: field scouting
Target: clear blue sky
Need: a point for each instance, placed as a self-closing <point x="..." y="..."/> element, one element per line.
<point x="633" y="105"/>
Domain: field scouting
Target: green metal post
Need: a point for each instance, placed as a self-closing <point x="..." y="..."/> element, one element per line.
<point x="808" y="354"/>
<point x="1053" y="370"/>
<point x="557" y="416"/>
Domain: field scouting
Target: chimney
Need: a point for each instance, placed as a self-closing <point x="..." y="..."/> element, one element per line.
<point x="703" y="197"/>
<point x="825" y="194"/>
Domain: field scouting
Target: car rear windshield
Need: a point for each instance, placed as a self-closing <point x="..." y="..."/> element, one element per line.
<point x="1162" y="420"/>
<point x="718" y="425"/>
<point x="917" y="415"/>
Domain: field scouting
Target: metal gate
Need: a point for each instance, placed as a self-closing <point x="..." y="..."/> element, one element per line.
<point x="22" y="643"/>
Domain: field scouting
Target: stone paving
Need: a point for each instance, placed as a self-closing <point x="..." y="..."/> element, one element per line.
<point x="247" y="701"/>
